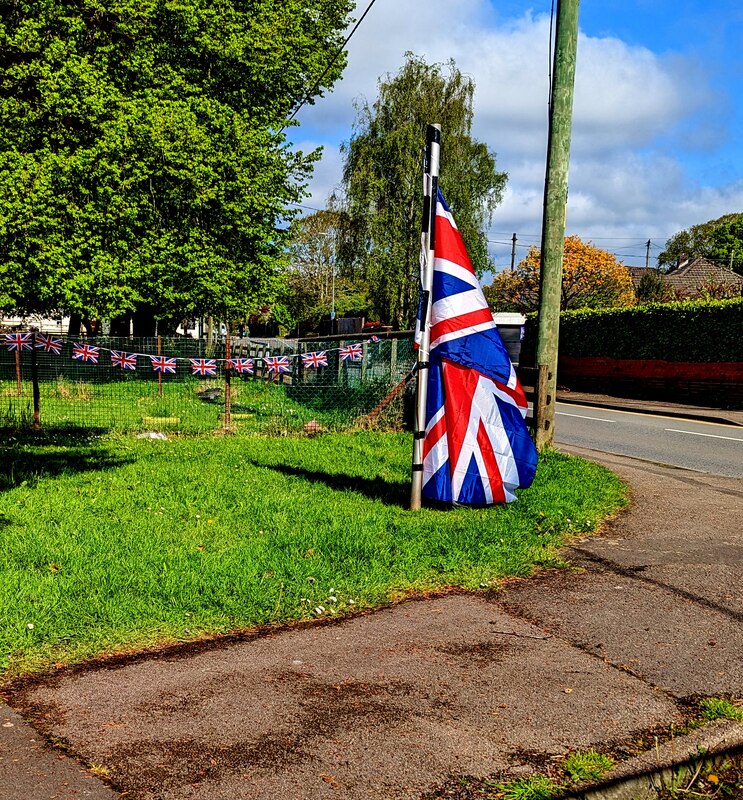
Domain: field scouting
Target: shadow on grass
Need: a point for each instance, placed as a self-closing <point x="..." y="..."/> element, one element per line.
<point x="391" y="494"/>
<point x="26" y="459"/>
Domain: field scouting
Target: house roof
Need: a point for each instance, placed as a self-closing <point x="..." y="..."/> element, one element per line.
<point x="690" y="274"/>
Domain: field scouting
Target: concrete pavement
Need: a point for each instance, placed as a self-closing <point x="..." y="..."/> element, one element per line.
<point x="402" y="702"/>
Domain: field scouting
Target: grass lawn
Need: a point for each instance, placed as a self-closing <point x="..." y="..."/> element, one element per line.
<point x="114" y="543"/>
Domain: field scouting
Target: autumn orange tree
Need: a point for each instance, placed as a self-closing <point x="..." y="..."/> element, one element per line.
<point x="591" y="278"/>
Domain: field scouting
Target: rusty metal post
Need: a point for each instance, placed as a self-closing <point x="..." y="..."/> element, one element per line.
<point x="19" y="387"/>
<point x="35" y="382"/>
<point x="160" y="373"/>
<point x="227" y="382"/>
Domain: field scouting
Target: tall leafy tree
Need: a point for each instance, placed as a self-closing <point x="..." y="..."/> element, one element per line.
<point x="591" y="278"/>
<point x="315" y="285"/>
<point x="142" y="159"/>
<point x="383" y="182"/>
<point x="726" y="245"/>
<point x="714" y="240"/>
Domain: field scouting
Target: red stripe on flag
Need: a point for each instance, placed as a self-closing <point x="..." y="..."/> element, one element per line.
<point x="459" y="385"/>
<point x="450" y="245"/>
<point x="433" y="436"/>
<point x="461" y="322"/>
<point x="516" y="394"/>
<point x="491" y="464"/>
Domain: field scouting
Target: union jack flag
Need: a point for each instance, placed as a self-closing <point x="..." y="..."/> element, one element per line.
<point x="242" y="365"/>
<point x="124" y="360"/>
<point x="351" y="352"/>
<point x="49" y="344"/>
<point x="86" y="352"/>
<point x="374" y="339"/>
<point x="277" y="364"/>
<point x="203" y="366"/>
<point x="315" y="360"/>
<point x="17" y="341"/>
<point x="163" y="364"/>
<point x="477" y="449"/>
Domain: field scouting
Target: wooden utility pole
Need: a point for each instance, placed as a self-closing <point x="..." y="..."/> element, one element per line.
<point x="647" y="254"/>
<point x="513" y="252"/>
<point x="555" y="206"/>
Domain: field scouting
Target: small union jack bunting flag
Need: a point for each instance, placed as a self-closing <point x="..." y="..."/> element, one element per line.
<point x="163" y="364"/>
<point x="18" y="341"/>
<point x="374" y="339"/>
<point x="352" y="352"/>
<point x="315" y="360"/>
<point x="241" y="365"/>
<point x="277" y="364"/>
<point x="203" y="366"/>
<point x="86" y="352"/>
<point x="48" y="343"/>
<point x="124" y="360"/>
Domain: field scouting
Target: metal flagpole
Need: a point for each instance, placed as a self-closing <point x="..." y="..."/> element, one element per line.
<point x="430" y="193"/>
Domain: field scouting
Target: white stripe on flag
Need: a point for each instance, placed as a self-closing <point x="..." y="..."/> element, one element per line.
<point x="448" y="337"/>
<point x="447" y="267"/>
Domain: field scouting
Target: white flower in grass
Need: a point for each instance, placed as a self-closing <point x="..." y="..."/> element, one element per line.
<point x="30" y="626"/>
<point x="319" y="609"/>
<point x="332" y="599"/>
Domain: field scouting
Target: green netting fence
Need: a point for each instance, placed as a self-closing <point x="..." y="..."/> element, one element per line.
<point x="272" y="386"/>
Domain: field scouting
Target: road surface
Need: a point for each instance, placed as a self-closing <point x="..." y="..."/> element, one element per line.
<point x="692" y="444"/>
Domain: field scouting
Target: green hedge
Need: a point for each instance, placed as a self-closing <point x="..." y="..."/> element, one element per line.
<point x="694" y="330"/>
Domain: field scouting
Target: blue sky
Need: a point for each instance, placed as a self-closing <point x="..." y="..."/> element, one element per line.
<point x="658" y="118"/>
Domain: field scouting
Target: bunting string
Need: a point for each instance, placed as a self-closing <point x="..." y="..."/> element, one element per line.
<point x="167" y="365"/>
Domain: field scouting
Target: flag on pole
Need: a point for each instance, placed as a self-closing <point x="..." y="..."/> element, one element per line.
<point x="203" y="366"/>
<point x="477" y="449"/>
<point x="124" y="360"/>
<point x="86" y="352"/>
<point x="49" y="344"/>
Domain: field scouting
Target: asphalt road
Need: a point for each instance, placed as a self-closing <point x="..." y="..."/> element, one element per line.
<point x="703" y="446"/>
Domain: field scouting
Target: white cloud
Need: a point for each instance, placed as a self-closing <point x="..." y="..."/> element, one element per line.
<point x="633" y="111"/>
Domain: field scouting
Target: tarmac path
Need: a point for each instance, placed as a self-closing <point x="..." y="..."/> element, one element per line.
<point x="393" y="704"/>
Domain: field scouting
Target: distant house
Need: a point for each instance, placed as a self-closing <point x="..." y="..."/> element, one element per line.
<point x="690" y="277"/>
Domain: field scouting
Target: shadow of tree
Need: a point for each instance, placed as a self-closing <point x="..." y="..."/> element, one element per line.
<point x="27" y="456"/>
<point x="390" y="493"/>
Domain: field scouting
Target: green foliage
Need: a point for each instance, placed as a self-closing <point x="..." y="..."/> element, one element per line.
<point x="701" y="240"/>
<point x="726" y="244"/>
<point x="141" y="158"/>
<point x="382" y="180"/>
<point x="652" y="288"/>
<point x="537" y="787"/>
<point x="689" y="331"/>
<point x="315" y="284"/>
<point x="586" y="765"/>
<point x="718" y="708"/>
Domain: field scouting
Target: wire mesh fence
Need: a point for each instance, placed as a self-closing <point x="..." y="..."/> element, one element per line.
<point x="189" y="386"/>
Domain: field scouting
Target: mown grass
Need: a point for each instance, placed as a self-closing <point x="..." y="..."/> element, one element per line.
<point x="115" y="543"/>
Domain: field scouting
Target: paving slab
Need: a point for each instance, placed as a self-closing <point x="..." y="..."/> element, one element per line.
<point x="662" y="594"/>
<point x="381" y="706"/>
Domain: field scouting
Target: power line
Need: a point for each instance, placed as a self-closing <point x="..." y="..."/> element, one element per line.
<point x="327" y="69"/>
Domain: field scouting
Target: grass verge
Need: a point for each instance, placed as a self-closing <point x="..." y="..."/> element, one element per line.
<point x="115" y="543"/>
